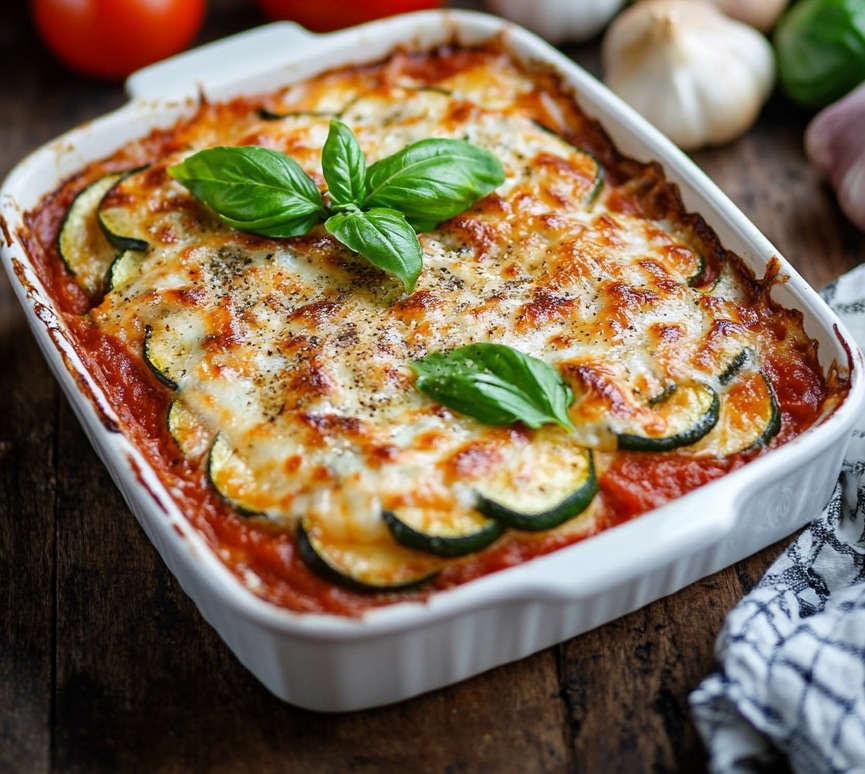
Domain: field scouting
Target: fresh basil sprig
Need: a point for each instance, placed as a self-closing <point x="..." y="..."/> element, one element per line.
<point x="496" y="384"/>
<point x="374" y="210"/>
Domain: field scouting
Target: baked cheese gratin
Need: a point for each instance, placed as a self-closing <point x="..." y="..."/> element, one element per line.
<point x="291" y="393"/>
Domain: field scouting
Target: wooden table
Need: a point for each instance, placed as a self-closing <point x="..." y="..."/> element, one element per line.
<point x="105" y="665"/>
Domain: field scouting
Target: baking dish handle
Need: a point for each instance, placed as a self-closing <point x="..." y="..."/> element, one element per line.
<point x="678" y="544"/>
<point x="229" y="60"/>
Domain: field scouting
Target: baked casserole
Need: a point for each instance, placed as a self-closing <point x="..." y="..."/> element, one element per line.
<point x="274" y="383"/>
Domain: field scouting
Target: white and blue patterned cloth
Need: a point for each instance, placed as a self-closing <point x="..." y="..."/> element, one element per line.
<point x="792" y="652"/>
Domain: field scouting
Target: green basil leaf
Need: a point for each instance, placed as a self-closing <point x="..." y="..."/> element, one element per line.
<point x="279" y="227"/>
<point x="344" y="166"/>
<point x="496" y="384"/>
<point x="384" y="238"/>
<point x="253" y="189"/>
<point x="432" y="180"/>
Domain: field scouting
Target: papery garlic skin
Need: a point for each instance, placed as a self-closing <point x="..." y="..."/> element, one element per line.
<point x="835" y="145"/>
<point x="761" y="14"/>
<point x="697" y="75"/>
<point x="559" y="21"/>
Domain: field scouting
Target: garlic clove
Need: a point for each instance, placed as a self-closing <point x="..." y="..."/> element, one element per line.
<point x="835" y="145"/>
<point x="699" y="76"/>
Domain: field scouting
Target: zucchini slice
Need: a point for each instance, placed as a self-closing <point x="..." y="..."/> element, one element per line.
<point x="750" y="415"/>
<point x="191" y="435"/>
<point x="687" y="412"/>
<point x="735" y="366"/>
<point x="543" y="486"/>
<point x="426" y="106"/>
<point x="232" y="478"/>
<point x="695" y="280"/>
<point x="169" y="347"/>
<point x="124" y="268"/>
<point x="362" y="565"/>
<point x="118" y="214"/>
<point x="81" y="242"/>
<point x="301" y="117"/>
<point x="446" y="533"/>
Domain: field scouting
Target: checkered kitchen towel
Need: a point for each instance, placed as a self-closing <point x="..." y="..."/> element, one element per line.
<point x="792" y="652"/>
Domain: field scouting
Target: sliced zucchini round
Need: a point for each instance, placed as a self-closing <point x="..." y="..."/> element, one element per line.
<point x="169" y="347"/>
<point x="367" y="566"/>
<point x="191" y="435"/>
<point x="124" y="268"/>
<point x="443" y="533"/>
<point x="118" y="216"/>
<point x="543" y="486"/>
<point x="770" y="412"/>
<point x="301" y="117"/>
<point x="81" y="242"/>
<point x="697" y="277"/>
<point x="750" y="415"/>
<point x="734" y="367"/>
<point x="232" y="478"/>
<point x="686" y="412"/>
<point x="427" y="106"/>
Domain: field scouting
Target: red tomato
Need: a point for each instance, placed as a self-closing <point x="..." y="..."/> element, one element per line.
<point x="111" y="38"/>
<point x="323" y="16"/>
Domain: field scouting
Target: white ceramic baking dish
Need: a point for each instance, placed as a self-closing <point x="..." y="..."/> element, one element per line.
<point x="332" y="663"/>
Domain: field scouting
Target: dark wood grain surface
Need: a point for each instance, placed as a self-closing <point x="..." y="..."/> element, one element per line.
<point x="105" y="665"/>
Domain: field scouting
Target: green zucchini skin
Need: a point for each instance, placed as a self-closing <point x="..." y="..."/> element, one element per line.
<point x="81" y="243"/>
<point x="441" y="545"/>
<point x="191" y="435"/>
<point x="771" y="416"/>
<point x="427" y="101"/>
<point x="315" y="555"/>
<point x="773" y="426"/>
<point x="218" y="460"/>
<point x="119" y="230"/>
<point x="270" y="115"/>
<point x="122" y="269"/>
<point x="738" y="371"/>
<point x="121" y="242"/>
<point x="735" y="366"/>
<point x="750" y="415"/>
<point x="159" y="370"/>
<point x="702" y="424"/>
<point x="169" y="347"/>
<point x="571" y="506"/>
<point x="695" y="280"/>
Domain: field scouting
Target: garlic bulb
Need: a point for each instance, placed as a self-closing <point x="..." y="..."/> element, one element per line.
<point x="761" y="14"/>
<point x="835" y="145"/>
<point x="559" y="21"/>
<point x="696" y="74"/>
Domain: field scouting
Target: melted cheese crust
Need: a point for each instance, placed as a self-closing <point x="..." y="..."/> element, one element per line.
<point x="290" y="359"/>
